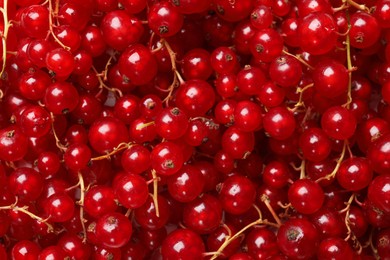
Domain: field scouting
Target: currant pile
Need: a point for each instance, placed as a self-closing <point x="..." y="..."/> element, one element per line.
<point x="195" y="129"/>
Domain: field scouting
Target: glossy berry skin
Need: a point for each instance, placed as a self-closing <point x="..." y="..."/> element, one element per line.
<point x="276" y="174"/>
<point x="34" y="21"/>
<point x="106" y="133"/>
<point x="13" y="144"/>
<point x="167" y="158"/>
<point x="203" y="215"/>
<point x="247" y="116"/>
<point x="136" y="159"/>
<point x="279" y="123"/>
<point x="334" y="248"/>
<point x="138" y="64"/>
<point x="60" y="207"/>
<point x="338" y="123"/>
<point x="114" y="230"/>
<point x="61" y="62"/>
<point x="285" y="71"/>
<point x="298" y="239"/>
<point x="317" y="33"/>
<point x="61" y="98"/>
<point x="237" y="194"/>
<point x="146" y="215"/>
<point x="187" y="184"/>
<point x="306" y="196"/>
<point x="182" y="244"/>
<point x="233" y="11"/>
<point x="25" y="249"/>
<point x="330" y="78"/>
<point x="238" y="144"/>
<point x="26" y="183"/>
<point x="195" y="97"/>
<point x="52" y="252"/>
<point x="171" y="123"/>
<point x="35" y="121"/>
<point x="378" y="192"/>
<point x="77" y="156"/>
<point x="354" y="174"/>
<point x="266" y="45"/>
<point x="196" y="65"/>
<point x="165" y="19"/>
<point x="315" y="144"/>
<point x="131" y="190"/>
<point x="119" y="29"/>
<point x="99" y="200"/>
<point x="379" y="155"/>
<point x="365" y="30"/>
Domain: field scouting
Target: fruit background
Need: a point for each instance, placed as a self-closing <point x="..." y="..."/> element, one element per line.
<point x="195" y="129"/>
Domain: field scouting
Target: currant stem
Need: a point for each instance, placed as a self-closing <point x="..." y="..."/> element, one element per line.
<point x="357" y="6"/>
<point x="302" y="169"/>
<point x="142" y="126"/>
<point x="117" y="149"/>
<point x="349" y="64"/>
<point x="337" y="167"/>
<point x="24" y="209"/>
<point x="155" y="192"/>
<point x="7" y="24"/>
<point x="58" y="142"/>
<point x="299" y="58"/>
<point x="81" y="204"/>
<point x="265" y="200"/>
<point x="51" y="26"/>
<point x="101" y="81"/>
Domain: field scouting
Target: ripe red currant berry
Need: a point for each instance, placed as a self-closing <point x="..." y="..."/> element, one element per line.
<point x="77" y="156"/>
<point x="131" y="190"/>
<point x="137" y="64"/>
<point x="379" y="155"/>
<point x="164" y="19"/>
<point x="248" y="116"/>
<point x="315" y="144"/>
<point x="60" y="207"/>
<point x="196" y="65"/>
<point x="33" y="84"/>
<point x="378" y="192"/>
<point x="242" y="34"/>
<point x="261" y="242"/>
<point x="25" y="249"/>
<point x="35" y="21"/>
<point x="317" y="33"/>
<point x="233" y="11"/>
<point x="266" y="45"/>
<point x="330" y="78"/>
<point x="382" y="243"/>
<point x="285" y="71"/>
<point x="107" y="133"/>
<point x="99" y="200"/>
<point x="52" y="252"/>
<point x="136" y="159"/>
<point x="216" y="238"/>
<point x="61" y="62"/>
<point x="74" y="247"/>
<point x="279" y="123"/>
<point x="171" y="123"/>
<point x="149" y="106"/>
<point x="354" y="173"/>
<point x="146" y="215"/>
<point x="203" y="215"/>
<point x="334" y="247"/>
<point x="261" y="17"/>
<point x="120" y="29"/>
<point x="270" y="95"/>
<point x="61" y="98"/>
<point x="141" y="130"/>
<point x="224" y="60"/>
<point x="167" y="158"/>
<point x="35" y="121"/>
<point x="13" y="144"/>
<point x="237" y="194"/>
<point x="365" y="30"/>
<point x="92" y="41"/>
<point x="298" y="238"/>
<point x="250" y="79"/>
<point x="114" y="230"/>
<point x="48" y="163"/>
<point x="187" y="184"/>
<point x="276" y="174"/>
<point x="191" y="245"/>
<point x="329" y="223"/>
<point x="306" y="196"/>
<point x="338" y="123"/>
<point x="195" y="97"/>
<point x="191" y="6"/>
<point x="197" y="133"/>
<point x="238" y="144"/>
<point x="26" y="183"/>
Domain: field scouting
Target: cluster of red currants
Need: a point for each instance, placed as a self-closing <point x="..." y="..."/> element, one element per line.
<point x="195" y="129"/>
